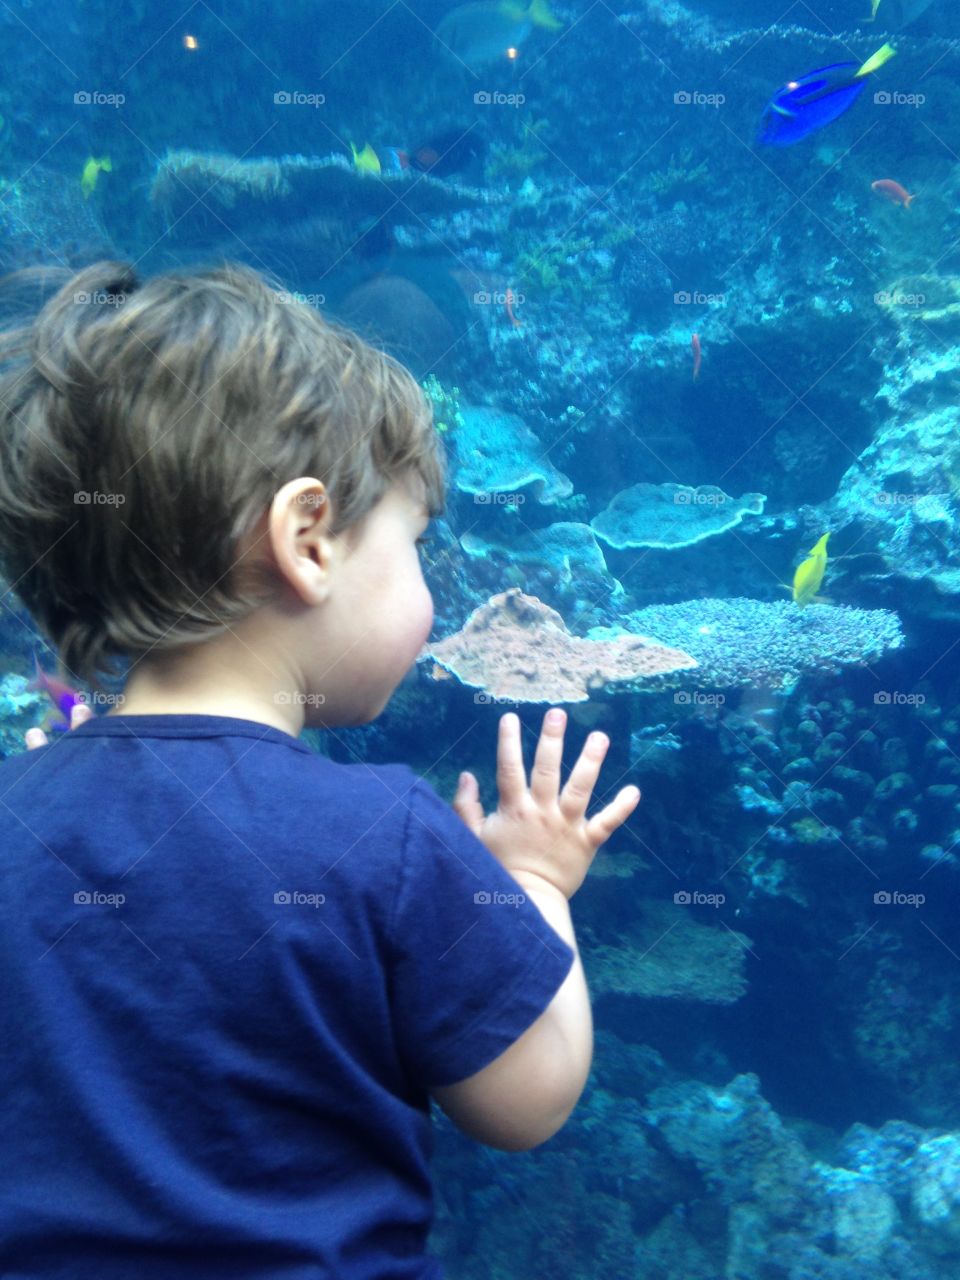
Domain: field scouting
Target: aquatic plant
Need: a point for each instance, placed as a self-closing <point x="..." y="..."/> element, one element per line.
<point x="554" y="267"/>
<point x="446" y="404"/>
<point x="505" y="161"/>
<point x="679" y="172"/>
<point x="811" y="830"/>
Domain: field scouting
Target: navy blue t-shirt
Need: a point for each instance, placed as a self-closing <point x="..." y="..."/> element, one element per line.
<point x="232" y="970"/>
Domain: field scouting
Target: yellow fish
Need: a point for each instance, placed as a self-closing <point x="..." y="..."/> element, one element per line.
<point x="898" y="13"/>
<point x="91" y="172"/>
<point x="809" y="575"/>
<point x="367" y="160"/>
<point x="483" y="31"/>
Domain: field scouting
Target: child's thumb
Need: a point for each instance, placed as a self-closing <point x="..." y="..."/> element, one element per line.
<point x="466" y="803"/>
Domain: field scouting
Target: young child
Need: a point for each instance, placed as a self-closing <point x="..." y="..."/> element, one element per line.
<point x="236" y="973"/>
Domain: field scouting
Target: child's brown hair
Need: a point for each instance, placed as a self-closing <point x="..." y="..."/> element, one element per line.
<point x="179" y="406"/>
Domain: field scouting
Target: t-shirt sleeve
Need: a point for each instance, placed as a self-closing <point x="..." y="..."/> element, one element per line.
<point x="475" y="963"/>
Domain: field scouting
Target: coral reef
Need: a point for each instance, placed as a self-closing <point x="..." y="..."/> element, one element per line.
<point x="668" y="955"/>
<point x="771" y="644"/>
<point x="517" y="649"/>
<point x="563" y="559"/>
<point x="44" y="218"/>
<point x="496" y="453"/>
<point x="901" y="500"/>
<point x="699" y="1181"/>
<point x="671" y="515"/>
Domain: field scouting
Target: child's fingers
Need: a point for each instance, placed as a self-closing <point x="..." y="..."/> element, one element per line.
<point x="575" y="796"/>
<point x="603" y="824"/>
<point x="545" y="774"/>
<point x="511" y="778"/>
<point x="466" y="803"/>
<point x="35" y="738"/>
<point x="80" y="713"/>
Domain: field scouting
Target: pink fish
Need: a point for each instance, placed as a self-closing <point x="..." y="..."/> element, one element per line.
<point x="891" y="190"/>
<point x="695" y="347"/>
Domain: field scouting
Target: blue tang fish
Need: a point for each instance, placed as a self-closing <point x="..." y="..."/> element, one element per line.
<point x="803" y="106"/>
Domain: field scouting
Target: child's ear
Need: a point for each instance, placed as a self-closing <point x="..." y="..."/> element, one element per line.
<point x="299" y="530"/>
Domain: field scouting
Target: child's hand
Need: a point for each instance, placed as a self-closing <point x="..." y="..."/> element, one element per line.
<point x="80" y="713"/>
<point x="541" y="830"/>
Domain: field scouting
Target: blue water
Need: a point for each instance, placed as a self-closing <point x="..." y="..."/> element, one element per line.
<point x="771" y="940"/>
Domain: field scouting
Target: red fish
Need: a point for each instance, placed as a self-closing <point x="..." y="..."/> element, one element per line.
<point x="893" y="192"/>
<point x="60" y="694"/>
<point x="695" y="346"/>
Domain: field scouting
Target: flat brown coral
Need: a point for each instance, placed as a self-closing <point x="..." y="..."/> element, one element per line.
<point x="670" y="956"/>
<point x="517" y="648"/>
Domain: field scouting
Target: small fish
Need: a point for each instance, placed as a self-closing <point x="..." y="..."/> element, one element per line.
<point x="450" y="152"/>
<point x="487" y="30"/>
<point x="393" y="160"/>
<point x="508" y="301"/>
<point x="367" y="160"/>
<point x="893" y="192"/>
<point x="898" y="14"/>
<point x="806" y="105"/>
<point x="695" y="347"/>
<point x="91" y="172"/>
<point x="809" y="574"/>
<point x="60" y="694"/>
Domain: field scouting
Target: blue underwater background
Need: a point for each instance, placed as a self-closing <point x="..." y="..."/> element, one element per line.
<point x="772" y="941"/>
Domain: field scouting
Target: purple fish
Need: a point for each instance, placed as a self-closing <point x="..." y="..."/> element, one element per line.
<point x="60" y="694"/>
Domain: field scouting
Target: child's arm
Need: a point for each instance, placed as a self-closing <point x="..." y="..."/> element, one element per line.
<point x="543" y="838"/>
<point x="523" y="1097"/>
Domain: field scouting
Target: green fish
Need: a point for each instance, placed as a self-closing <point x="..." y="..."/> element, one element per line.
<point x="91" y="172"/>
<point x="367" y="160"/>
<point x="482" y="32"/>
